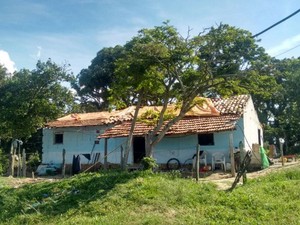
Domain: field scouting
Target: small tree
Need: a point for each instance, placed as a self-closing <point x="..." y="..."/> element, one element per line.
<point x="34" y="161"/>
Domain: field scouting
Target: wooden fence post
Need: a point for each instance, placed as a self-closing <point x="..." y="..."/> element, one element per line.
<point x="63" y="163"/>
<point x="197" y="163"/>
<point x="105" y="154"/>
<point x="24" y="163"/>
<point x="11" y="160"/>
<point x="231" y="155"/>
<point x="19" y="160"/>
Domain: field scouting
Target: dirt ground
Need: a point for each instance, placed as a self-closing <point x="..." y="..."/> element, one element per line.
<point x="224" y="180"/>
<point x="221" y="179"/>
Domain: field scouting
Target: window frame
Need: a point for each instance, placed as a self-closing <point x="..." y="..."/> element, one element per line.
<point x="58" y="138"/>
<point x="206" y="139"/>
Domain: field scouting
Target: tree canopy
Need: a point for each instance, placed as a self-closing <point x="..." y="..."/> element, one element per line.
<point x="160" y="66"/>
<point x="31" y="98"/>
<point x="92" y="84"/>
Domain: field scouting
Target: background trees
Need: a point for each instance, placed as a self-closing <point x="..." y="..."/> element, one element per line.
<point x="31" y="98"/>
<point x="92" y="84"/>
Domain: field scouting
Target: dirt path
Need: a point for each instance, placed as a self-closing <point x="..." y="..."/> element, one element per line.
<point x="221" y="179"/>
<point x="224" y="180"/>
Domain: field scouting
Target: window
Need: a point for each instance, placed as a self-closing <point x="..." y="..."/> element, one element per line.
<point x="206" y="139"/>
<point x="58" y="138"/>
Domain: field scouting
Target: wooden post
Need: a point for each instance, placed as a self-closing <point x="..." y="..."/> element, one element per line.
<point x="231" y="154"/>
<point x="197" y="163"/>
<point x="105" y="154"/>
<point x="281" y="152"/>
<point x="19" y="160"/>
<point x="12" y="160"/>
<point x="63" y="163"/>
<point x="242" y="158"/>
<point x="122" y="157"/>
<point x="24" y="163"/>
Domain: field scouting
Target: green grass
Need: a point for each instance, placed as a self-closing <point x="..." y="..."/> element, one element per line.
<point x="5" y="181"/>
<point x="146" y="198"/>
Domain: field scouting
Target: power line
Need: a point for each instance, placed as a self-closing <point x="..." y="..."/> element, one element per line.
<point x="288" y="50"/>
<point x="294" y="13"/>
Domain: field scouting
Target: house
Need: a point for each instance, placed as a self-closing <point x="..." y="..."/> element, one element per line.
<point x="95" y="135"/>
<point x="237" y="116"/>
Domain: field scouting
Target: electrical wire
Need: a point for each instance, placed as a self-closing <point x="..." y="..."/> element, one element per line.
<point x="275" y="24"/>
<point x="288" y="50"/>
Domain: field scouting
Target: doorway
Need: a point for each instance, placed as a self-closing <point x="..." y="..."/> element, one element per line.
<point x="139" y="149"/>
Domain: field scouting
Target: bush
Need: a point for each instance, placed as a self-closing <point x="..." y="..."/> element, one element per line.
<point x="34" y="161"/>
<point x="149" y="163"/>
<point x="4" y="161"/>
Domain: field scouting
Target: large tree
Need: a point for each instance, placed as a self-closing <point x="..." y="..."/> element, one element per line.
<point x="161" y="66"/>
<point x="92" y="84"/>
<point x="284" y="105"/>
<point x="29" y="99"/>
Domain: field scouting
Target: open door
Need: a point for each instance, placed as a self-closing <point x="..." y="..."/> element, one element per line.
<point x="139" y="149"/>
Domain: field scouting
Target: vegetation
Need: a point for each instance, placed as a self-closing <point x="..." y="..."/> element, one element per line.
<point x="3" y="162"/>
<point x="149" y="163"/>
<point x="31" y="98"/>
<point x="28" y="100"/>
<point x="147" y="198"/>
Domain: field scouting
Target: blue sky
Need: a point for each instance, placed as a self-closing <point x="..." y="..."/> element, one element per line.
<point x="73" y="31"/>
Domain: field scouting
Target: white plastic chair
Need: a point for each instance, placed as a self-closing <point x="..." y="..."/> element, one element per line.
<point x="218" y="158"/>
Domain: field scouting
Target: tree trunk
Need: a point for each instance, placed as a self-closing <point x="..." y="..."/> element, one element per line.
<point x="148" y="146"/>
<point x="130" y="136"/>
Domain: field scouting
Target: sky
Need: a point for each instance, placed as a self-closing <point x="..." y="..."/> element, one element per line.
<point x="73" y="31"/>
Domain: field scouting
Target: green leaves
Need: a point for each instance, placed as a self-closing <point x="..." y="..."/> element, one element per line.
<point x="31" y="98"/>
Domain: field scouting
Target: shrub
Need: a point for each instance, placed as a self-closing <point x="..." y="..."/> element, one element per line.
<point x="33" y="161"/>
<point x="149" y="163"/>
<point x="3" y="162"/>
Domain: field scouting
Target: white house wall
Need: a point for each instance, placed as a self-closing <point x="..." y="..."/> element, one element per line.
<point x="76" y="141"/>
<point x="251" y="126"/>
<point x="184" y="147"/>
<point x="114" y="149"/>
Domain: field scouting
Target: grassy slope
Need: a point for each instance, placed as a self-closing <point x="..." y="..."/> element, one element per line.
<point x="143" y="198"/>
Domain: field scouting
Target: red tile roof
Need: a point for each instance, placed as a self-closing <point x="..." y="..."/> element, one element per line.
<point x="188" y="125"/>
<point x="92" y="119"/>
<point x="118" y="116"/>
<point x="231" y="110"/>
<point x="198" y="120"/>
<point x="232" y="105"/>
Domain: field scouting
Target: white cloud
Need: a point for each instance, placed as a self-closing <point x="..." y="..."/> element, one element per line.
<point x="286" y="45"/>
<point x="7" y="62"/>
<point x="116" y="36"/>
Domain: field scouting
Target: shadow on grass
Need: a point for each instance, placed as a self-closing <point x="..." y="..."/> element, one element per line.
<point x="52" y="199"/>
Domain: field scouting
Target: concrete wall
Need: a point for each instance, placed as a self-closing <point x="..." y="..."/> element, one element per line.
<point x="251" y="126"/>
<point x="78" y="140"/>
<point x="184" y="147"/>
